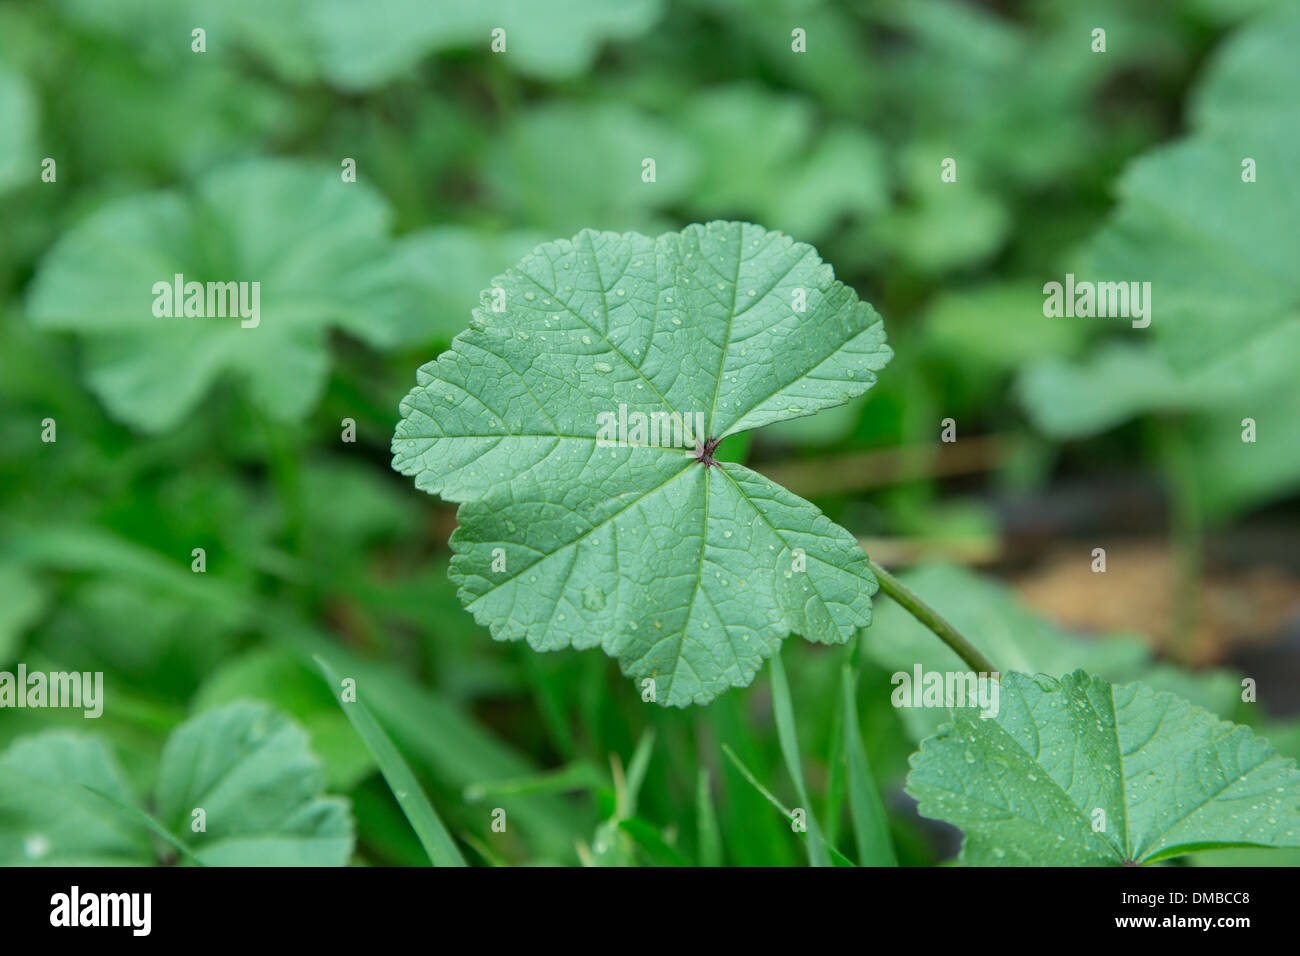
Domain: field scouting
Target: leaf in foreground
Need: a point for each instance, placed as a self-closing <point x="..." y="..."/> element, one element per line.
<point x="1082" y="772"/>
<point x="682" y="569"/>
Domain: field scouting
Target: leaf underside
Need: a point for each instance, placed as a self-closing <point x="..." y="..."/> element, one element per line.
<point x="684" y="570"/>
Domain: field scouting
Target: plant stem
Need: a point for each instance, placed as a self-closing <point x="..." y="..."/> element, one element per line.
<point x="931" y="619"/>
<point x="1187" y="533"/>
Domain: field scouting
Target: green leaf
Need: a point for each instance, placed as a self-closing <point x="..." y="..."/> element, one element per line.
<point x="49" y="818"/>
<point x="1220" y="255"/>
<point x="793" y="177"/>
<point x="18" y="156"/>
<point x="682" y="571"/>
<point x="250" y="770"/>
<point x="318" y="247"/>
<point x="1018" y="638"/>
<point x="277" y="676"/>
<point x="410" y="796"/>
<point x="363" y="46"/>
<point x="1082" y="772"/>
<point x="453" y="264"/>
<point x="602" y="184"/>
<point x="940" y="226"/>
<point x="22" y="600"/>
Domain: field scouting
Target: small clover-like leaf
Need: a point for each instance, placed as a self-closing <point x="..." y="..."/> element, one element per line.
<point x="689" y="571"/>
<point x="1082" y="772"/>
<point x="64" y="801"/>
<point x="48" y="817"/>
<point x="260" y="788"/>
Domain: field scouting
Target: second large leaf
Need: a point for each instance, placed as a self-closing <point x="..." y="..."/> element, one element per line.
<point x="575" y="420"/>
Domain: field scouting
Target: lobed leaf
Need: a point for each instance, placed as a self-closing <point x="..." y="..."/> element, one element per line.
<point x="1078" y="771"/>
<point x="318" y="247"/>
<point x="684" y="571"/>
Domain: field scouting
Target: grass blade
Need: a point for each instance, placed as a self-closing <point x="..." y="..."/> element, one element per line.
<point x="139" y="816"/>
<point x="651" y="842"/>
<point x="839" y="858"/>
<point x="636" y="769"/>
<point x="401" y="780"/>
<point x="580" y="776"/>
<point x="709" y="835"/>
<point x="870" y="825"/>
<point x="785" y="732"/>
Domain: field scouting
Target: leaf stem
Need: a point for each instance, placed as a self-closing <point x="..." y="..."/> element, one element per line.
<point x="931" y="619"/>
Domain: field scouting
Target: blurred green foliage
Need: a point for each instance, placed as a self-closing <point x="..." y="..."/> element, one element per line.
<point x="225" y="165"/>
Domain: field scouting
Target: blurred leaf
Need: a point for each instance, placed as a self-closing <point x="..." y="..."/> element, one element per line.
<point x="277" y="677"/>
<point x="48" y="818"/>
<point x="1219" y="253"/>
<point x="18" y="156"/>
<point x="367" y="46"/>
<point x="260" y="789"/>
<point x="1014" y="638"/>
<point x="997" y="327"/>
<point x="598" y="185"/>
<point x="317" y="245"/>
<point x="22" y="599"/>
<point x="941" y="225"/>
<point x="454" y="264"/>
<point x="792" y="177"/>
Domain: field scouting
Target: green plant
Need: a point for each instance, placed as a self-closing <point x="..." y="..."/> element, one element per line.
<point x="691" y="570"/>
<point x="236" y="786"/>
